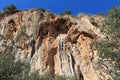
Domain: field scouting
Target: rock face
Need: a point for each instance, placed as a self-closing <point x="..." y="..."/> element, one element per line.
<point x="52" y="43"/>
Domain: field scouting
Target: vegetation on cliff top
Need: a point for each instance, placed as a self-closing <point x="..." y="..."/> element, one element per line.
<point x="11" y="9"/>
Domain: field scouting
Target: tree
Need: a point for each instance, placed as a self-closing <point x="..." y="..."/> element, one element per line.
<point x="41" y="9"/>
<point x="66" y="12"/>
<point x="10" y="9"/>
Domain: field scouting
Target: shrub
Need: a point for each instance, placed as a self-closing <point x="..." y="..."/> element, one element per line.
<point x="66" y="12"/>
<point x="10" y="9"/>
<point x="11" y="70"/>
<point x="8" y="68"/>
<point x="41" y="9"/>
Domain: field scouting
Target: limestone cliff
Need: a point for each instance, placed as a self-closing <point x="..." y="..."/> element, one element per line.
<point x="53" y="43"/>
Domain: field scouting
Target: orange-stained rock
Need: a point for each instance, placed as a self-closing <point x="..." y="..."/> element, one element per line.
<point x="54" y="44"/>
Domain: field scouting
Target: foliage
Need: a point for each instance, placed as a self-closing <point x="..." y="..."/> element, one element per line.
<point x="10" y="9"/>
<point x="110" y="49"/>
<point x="3" y="37"/>
<point x="11" y="70"/>
<point x="100" y="14"/>
<point x="22" y="34"/>
<point x="66" y="12"/>
<point x="93" y="22"/>
<point x="55" y="77"/>
<point x="41" y="9"/>
<point x="113" y="21"/>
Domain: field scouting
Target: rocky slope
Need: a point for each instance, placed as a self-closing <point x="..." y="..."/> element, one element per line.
<point x="54" y="44"/>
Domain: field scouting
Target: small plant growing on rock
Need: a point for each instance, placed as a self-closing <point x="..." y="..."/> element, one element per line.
<point x="41" y="9"/>
<point x="66" y="12"/>
<point x="10" y="9"/>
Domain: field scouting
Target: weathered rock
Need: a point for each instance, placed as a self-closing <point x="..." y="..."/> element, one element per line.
<point x="54" y="44"/>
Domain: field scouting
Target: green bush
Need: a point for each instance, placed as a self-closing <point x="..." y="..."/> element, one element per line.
<point x="42" y="9"/>
<point x="11" y="70"/>
<point x="8" y="68"/>
<point x="10" y="9"/>
<point x="66" y="12"/>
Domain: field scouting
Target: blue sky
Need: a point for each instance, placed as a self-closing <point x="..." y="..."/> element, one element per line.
<point x="58" y="6"/>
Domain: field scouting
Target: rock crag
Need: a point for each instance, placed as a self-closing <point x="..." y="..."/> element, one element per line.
<point x="53" y="43"/>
